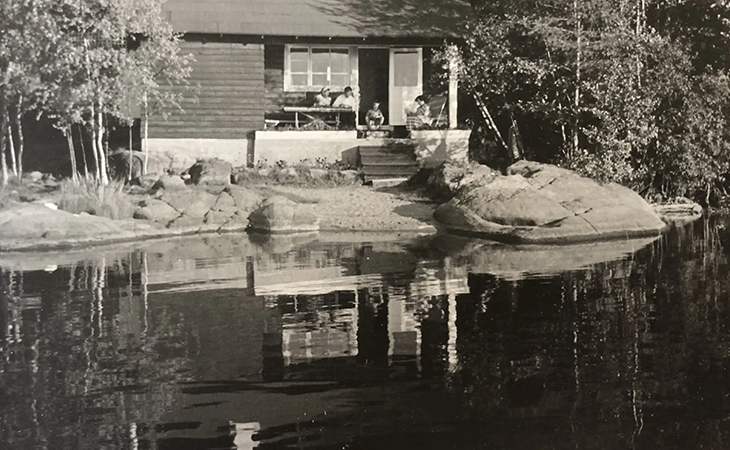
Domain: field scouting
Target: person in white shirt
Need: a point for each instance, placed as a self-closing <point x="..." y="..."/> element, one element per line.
<point x="346" y="100"/>
<point x="323" y="98"/>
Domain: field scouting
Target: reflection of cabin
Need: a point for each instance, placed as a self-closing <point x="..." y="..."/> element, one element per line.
<point x="255" y="61"/>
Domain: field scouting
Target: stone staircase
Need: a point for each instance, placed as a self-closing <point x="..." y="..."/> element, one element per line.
<point x="391" y="161"/>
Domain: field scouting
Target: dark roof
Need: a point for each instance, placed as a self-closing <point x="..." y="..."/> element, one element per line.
<point x="319" y="18"/>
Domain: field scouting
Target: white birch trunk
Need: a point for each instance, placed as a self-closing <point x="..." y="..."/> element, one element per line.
<point x="145" y="138"/>
<point x="83" y="151"/>
<point x="576" y="100"/>
<point x="11" y="148"/>
<point x="72" y="154"/>
<point x="99" y="126"/>
<point x="94" y="144"/>
<point x="21" y="136"/>
<point x="3" y="128"/>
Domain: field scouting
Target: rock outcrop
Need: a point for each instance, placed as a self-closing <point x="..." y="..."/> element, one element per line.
<point x="211" y="172"/>
<point x="279" y="214"/>
<point x="168" y="183"/>
<point x="226" y="209"/>
<point x="449" y="178"/>
<point x="541" y="203"/>
<point x="45" y="226"/>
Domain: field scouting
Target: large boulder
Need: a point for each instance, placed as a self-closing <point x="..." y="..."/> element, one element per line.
<point x="122" y="162"/>
<point x="244" y="199"/>
<point x="541" y="203"/>
<point x="447" y="179"/>
<point x="157" y="211"/>
<point x="167" y="182"/>
<point x="211" y="172"/>
<point x="280" y="215"/>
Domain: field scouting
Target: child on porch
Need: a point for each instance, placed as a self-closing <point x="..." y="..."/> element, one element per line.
<point x="374" y="117"/>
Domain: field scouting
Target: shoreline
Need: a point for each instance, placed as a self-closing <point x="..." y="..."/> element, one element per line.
<point x="348" y="211"/>
<point x="342" y="210"/>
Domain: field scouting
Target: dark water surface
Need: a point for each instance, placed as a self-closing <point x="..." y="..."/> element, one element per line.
<point x="431" y="343"/>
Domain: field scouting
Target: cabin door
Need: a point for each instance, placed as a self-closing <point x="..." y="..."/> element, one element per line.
<point x="406" y="82"/>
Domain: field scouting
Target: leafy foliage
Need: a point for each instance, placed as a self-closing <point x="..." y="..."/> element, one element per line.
<point x="82" y="61"/>
<point x="630" y="91"/>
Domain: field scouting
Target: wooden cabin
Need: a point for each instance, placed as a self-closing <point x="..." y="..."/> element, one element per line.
<point x="260" y="63"/>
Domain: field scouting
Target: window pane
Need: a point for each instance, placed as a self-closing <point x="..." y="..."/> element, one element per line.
<point x="405" y="68"/>
<point x="340" y="60"/>
<point x="320" y="79"/>
<point x="299" y="79"/>
<point x="340" y="79"/>
<point x="299" y="60"/>
<point x="320" y="59"/>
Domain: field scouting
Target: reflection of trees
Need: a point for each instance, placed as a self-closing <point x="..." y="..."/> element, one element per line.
<point x="79" y="369"/>
<point x="601" y="358"/>
<point x="629" y="353"/>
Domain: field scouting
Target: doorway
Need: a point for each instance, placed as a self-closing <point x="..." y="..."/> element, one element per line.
<point x="406" y="81"/>
<point x="374" y="71"/>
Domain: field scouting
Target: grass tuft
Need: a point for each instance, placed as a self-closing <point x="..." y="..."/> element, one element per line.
<point x="87" y="195"/>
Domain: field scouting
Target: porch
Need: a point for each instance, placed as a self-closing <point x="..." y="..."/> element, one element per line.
<point x="384" y="157"/>
<point x="295" y="129"/>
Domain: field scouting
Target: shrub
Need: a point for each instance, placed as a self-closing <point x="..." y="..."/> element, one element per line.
<point x="299" y="174"/>
<point x="111" y="201"/>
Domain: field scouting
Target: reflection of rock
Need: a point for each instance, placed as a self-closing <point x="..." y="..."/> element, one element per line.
<point x="280" y="244"/>
<point x="280" y="215"/>
<point x="540" y="203"/>
<point x="516" y="261"/>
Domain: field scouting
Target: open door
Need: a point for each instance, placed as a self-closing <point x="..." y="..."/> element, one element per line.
<point x="406" y="81"/>
<point x="374" y="80"/>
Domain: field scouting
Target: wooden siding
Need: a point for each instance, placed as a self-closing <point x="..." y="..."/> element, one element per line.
<point x="229" y="103"/>
<point x="276" y="97"/>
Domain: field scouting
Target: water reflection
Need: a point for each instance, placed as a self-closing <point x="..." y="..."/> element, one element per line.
<point x="231" y="342"/>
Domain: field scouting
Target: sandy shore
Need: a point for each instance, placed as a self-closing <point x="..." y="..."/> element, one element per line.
<point x="361" y="208"/>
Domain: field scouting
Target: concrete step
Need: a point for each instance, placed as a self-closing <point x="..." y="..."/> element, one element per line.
<point x="387" y="149"/>
<point x="391" y="161"/>
<point x="387" y="182"/>
<point x="384" y="161"/>
<point x="389" y="171"/>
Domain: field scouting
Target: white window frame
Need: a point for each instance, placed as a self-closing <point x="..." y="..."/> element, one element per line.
<point x="288" y="87"/>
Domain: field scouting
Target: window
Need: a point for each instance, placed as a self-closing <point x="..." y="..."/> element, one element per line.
<point x="311" y="68"/>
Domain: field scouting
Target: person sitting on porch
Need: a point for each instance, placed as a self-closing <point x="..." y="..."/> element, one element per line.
<point x="374" y="117"/>
<point x="421" y="117"/>
<point x="346" y="100"/>
<point x="323" y="98"/>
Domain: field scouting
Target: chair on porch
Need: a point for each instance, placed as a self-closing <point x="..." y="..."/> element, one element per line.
<point x="438" y="115"/>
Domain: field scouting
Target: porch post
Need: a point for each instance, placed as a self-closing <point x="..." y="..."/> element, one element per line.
<point x="453" y="86"/>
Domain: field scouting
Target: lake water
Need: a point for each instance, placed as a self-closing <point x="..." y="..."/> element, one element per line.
<point x="386" y="343"/>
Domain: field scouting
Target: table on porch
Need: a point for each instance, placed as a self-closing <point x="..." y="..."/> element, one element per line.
<point x="311" y="113"/>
